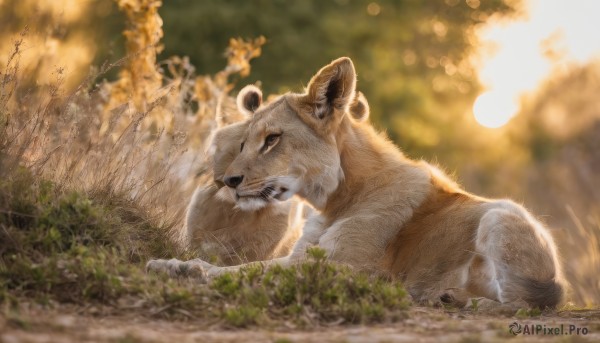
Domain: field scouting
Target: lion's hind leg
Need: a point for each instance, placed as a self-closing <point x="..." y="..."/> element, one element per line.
<point x="518" y="257"/>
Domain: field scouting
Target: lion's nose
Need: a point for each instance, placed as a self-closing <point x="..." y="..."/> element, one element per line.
<point x="233" y="181"/>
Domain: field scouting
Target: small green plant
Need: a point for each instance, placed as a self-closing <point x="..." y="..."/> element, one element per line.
<point x="242" y="316"/>
<point x="528" y="313"/>
<point x="475" y="304"/>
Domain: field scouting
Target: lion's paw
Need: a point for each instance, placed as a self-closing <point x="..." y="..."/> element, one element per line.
<point x="176" y="268"/>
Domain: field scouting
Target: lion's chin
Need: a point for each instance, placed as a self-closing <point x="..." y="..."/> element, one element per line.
<point x="250" y="204"/>
<point x="226" y="194"/>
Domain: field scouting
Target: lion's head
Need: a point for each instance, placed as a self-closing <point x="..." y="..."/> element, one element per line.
<point x="290" y="145"/>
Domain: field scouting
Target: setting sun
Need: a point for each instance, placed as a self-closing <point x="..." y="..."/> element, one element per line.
<point x="493" y="110"/>
<point x="517" y="55"/>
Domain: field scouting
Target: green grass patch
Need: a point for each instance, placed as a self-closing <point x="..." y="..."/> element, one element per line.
<point x="61" y="246"/>
<point x="314" y="291"/>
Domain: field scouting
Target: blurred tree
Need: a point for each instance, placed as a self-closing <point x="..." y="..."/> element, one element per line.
<point x="411" y="56"/>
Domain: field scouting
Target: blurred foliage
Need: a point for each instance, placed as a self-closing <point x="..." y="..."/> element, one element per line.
<point x="62" y="34"/>
<point x="559" y="128"/>
<point x="411" y="56"/>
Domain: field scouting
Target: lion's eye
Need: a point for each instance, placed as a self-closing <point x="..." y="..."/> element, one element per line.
<point x="242" y="147"/>
<point x="272" y="139"/>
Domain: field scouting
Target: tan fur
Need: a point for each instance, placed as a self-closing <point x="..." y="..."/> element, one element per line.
<point x="381" y="211"/>
<point x="219" y="229"/>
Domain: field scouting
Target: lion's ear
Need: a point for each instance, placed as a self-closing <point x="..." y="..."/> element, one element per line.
<point x="249" y="99"/>
<point x="332" y="88"/>
<point x="360" y="108"/>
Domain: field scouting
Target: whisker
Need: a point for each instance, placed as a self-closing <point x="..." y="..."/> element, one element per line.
<point x="266" y="180"/>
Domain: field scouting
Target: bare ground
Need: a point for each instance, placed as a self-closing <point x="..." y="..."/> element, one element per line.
<point x="422" y="324"/>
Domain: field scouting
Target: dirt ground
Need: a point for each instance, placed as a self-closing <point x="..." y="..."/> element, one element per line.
<point x="423" y="324"/>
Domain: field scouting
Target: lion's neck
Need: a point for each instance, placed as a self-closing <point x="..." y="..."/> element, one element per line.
<point x="368" y="162"/>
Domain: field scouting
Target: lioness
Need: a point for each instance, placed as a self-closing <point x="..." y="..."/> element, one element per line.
<point x="220" y="229"/>
<point x="380" y="211"/>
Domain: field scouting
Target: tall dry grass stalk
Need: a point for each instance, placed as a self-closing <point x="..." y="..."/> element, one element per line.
<point x="135" y="143"/>
<point x="581" y="249"/>
<point x="140" y="81"/>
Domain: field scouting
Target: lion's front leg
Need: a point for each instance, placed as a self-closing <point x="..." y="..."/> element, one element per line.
<point x="215" y="271"/>
<point x="203" y="270"/>
<point x="195" y="268"/>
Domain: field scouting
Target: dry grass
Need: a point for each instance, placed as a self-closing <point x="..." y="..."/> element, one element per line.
<point x="581" y="252"/>
<point x="130" y="141"/>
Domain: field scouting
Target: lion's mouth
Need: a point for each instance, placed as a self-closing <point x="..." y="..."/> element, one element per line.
<point x="266" y="194"/>
<point x="281" y="192"/>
